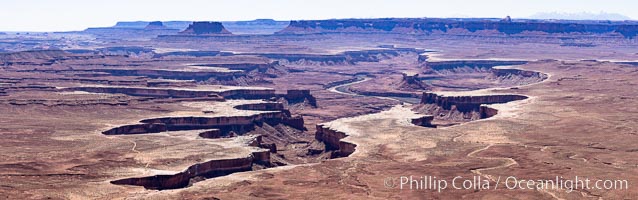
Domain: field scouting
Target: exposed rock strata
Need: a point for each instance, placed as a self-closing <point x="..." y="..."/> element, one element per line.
<point x="430" y="25"/>
<point x="208" y="169"/>
<point x="347" y="57"/>
<point x="332" y="139"/>
<point x="465" y="108"/>
<point x="211" y="168"/>
<point x="291" y="96"/>
<point x="425" y="121"/>
<point x="222" y="127"/>
<point x="35" y="57"/>
<point x="517" y="76"/>
<point x="342" y="82"/>
<point x="137" y="129"/>
<point x="211" y="134"/>
<point x="225" y="124"/>
<point x="411" y="82"/>
<point x="332" y="133"/>
<point x="192" y="54"/>
<point x="296" y="96"/>
<point x="175" y="74"/>
<point x="180" y="93"/>
<point x="494" y="72"/>
<point x="480" y="64"/>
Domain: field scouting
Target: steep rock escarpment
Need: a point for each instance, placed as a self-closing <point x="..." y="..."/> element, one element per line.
<point x="429" y="25"/>
<point x="211" y="168"/>
<point x="208" y="169"/>
<point x="137" y="129"/>
<point x="179" y="93"/>
<point x="214" y="127"/>
<point x="463" y="108"/>
<point x="517" y="76"/>
<point x="35" y="57"/>
<point x="478" y="73"/>
<point x="206" y="28"/>
<point x="253" y="73"/>
<point x="425" y="121"/>
<point x="224" y="124"/>
<point x="344" y="58"/>
<point x="300" y="96"/>
<point x="237" y="124"/>
<point x="290" y="97"/>
<point x="218" y="73"/>
<point x="192" y="54"/>
<point x="175" y="74"/>
<point x="464" y="65"/>
<point x="332" y="134"/>
<point x="332" y="139"/>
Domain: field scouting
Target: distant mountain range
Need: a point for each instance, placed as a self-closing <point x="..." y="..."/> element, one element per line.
<point x="580" y="16"/>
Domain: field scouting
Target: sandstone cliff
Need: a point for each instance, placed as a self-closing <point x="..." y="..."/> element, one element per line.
<point x="332" y="139"/>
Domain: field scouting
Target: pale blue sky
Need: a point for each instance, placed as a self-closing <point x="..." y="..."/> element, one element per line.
<point x="62" y="15"/>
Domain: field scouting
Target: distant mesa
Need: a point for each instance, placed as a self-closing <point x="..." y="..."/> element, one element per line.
<point x="155" y="25"/>
<point x="206" y="28"/>
<point x="508" y="26"/>
<point x="507" y="19"/>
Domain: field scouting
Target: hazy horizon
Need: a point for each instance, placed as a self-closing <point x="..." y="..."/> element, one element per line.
<point x="71" y="15"/>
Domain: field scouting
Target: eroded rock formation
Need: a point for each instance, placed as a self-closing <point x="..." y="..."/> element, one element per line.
<point x="211" y="134"/>
<point x="297" y="96"/>
<point x="208" y="169"/>
<point x="463" y="108"/>
<point x="410" y="81"/>
<point x="517" y="76"/>
<point x="211" y="168"/>
<point x="192" y="54"/>
<point x="466" y="65"/>
<point x="425" y="121"/>
<point x="34" y="57"/>
<point x="484" y="73"/>
<point x="224" y="124"/>
<point x="347" y="57"/>
<point x="217" y="127"/>
<point x="175" y="74"/>
<point x="332" y="139"/>
<point x="155" y="25"/>
<point x="206" y="28"/>
<point x="137" y="129"/>
<point x="430" y="25"/>
<point x="180" y="93"/>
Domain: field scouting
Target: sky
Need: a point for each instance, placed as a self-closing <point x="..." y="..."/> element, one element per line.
<point x="68" y="15"/>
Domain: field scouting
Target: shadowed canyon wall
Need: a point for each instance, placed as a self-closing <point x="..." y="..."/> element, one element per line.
<point x="332" y="139"/>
